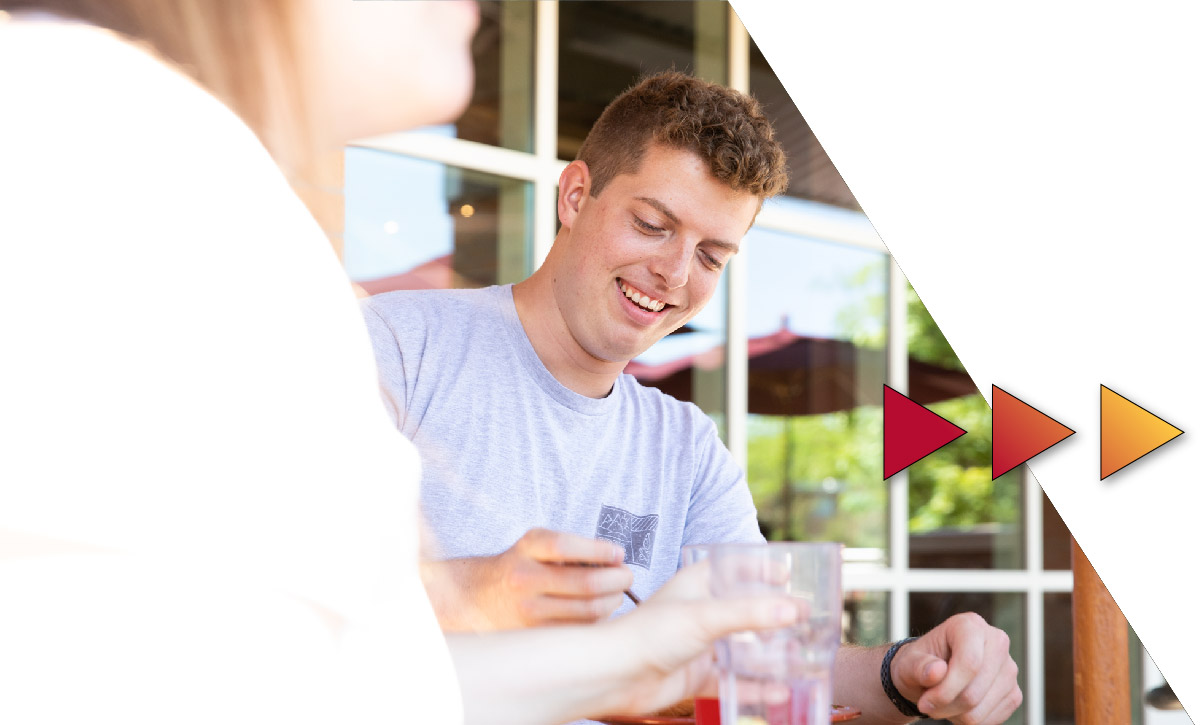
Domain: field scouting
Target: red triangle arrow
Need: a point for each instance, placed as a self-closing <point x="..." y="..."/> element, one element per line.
<point x="910" y="432"/>
<point x="1020" y="432"/>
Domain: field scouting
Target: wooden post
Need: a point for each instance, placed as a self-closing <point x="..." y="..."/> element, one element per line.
<point x="1101" y="649"/>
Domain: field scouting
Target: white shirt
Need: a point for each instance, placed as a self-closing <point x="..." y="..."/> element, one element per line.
<point x="205" y="513"/>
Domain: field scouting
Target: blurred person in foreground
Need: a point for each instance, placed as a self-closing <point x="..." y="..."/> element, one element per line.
<point x="539" y="452"/>
<point x="205" y="515"/>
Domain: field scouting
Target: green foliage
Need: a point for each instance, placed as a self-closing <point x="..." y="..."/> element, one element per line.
<point x="925" y="339"/>
<point x="834" y="467"/>
<point x="953" y="487"/>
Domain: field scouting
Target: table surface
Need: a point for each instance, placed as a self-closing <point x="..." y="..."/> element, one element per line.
<point x="841" y="713"/>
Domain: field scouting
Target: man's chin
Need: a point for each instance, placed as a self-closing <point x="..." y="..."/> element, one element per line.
<point x="621" y="355"/>
<point x="620" y="349"/>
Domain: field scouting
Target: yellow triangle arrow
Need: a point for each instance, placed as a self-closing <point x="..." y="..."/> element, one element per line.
<point x="1128" y="432"/>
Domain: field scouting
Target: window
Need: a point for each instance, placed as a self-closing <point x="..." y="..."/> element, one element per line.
<point x="789" y="358"/>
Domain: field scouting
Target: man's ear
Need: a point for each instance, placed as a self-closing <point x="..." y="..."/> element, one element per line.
<point x="574" y="183"/>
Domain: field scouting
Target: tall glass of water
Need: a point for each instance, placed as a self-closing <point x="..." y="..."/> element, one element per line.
<point x="784" y="676"/>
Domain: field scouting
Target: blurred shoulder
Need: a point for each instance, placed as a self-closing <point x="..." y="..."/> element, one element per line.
<point x="109" y="108"/>
<point x="157" y="172"/>
<point x="77" y="74"/>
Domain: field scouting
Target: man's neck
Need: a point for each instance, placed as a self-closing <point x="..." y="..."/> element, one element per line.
<point x="558" y="350"/>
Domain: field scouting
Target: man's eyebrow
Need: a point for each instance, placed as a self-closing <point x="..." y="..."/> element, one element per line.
<point x="731" y="247"/>
<point x="661" y="207"/>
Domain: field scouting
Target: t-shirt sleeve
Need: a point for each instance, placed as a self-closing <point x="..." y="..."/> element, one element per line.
<point x="389" y="361"/>
<point x="721" y="509"/>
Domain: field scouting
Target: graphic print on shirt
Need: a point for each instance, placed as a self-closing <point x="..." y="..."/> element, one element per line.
<point x="634" y="533"/>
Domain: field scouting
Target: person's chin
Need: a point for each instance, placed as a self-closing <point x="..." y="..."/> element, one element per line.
<point x="452" y="91"/>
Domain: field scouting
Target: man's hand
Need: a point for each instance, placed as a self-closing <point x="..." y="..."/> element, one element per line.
<point x="961" y="671"/>
<point x="546" y="577"/>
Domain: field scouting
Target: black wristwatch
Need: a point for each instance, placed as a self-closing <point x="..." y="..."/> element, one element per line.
<point x="902" y="703"/>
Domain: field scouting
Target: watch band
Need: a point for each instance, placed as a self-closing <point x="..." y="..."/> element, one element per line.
<point x="903" y="704"/>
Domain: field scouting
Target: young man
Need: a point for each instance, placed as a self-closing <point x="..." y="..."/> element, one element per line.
<point x="540" y="455"/>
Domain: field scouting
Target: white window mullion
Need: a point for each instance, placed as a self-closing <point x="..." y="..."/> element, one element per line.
<point x="897" y="376"/>
<point x="545" y="128"/>
<point x="737" y="362"/>
<point x="1035" y="649"/>
<point x="872" y="578"/>
<point x="1035" y="657"/>
<point x="464" y="154"/>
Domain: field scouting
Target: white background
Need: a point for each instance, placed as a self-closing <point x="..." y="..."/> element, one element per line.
<point x="1035" y="171"/>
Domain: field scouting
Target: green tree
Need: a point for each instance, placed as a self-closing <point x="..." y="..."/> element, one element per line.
<point x="925" y="339"/>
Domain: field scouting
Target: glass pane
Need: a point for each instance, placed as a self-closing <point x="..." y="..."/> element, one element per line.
<point x="813" y="176"/>
<point x="816" y="325"/>
<point x="1137" y="675"/>
<point x="1005" y="610"/>
<point x="866" y="618"/>
<point x="1056" y="538"/>
<point x="501" y="108"/>
<point x="604" y="47"/>
<point x="1058" y="664"/>
<point x="959" y="518"/>
<point x="415" y="224"/>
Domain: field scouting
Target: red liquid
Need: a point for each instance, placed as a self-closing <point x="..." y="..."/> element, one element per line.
<point x="708" y="711"/>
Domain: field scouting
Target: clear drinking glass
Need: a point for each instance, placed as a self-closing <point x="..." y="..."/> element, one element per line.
<point x="707" y="710"/>
<point x="784" y="676"/>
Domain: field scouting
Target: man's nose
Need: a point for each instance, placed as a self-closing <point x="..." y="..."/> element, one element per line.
<point x="672" y="263"/>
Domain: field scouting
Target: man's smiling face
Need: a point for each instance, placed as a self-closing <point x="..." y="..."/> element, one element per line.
<point x="645" y="255"/>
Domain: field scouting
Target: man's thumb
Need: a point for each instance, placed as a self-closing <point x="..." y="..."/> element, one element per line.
<point x="925" y="670"/>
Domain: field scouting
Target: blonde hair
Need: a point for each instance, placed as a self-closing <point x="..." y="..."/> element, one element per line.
<point x="245" y="52"/>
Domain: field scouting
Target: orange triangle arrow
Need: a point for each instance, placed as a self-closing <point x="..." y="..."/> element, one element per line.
<point x="1020" y="432"/>
<point x="1128" y="432"/>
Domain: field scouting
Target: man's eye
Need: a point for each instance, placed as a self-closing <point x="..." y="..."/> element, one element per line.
<point x="646" y="225"/>
<point x="711" y="261"/>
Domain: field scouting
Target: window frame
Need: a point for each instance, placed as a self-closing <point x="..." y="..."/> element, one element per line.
<point x="542" y="169"/>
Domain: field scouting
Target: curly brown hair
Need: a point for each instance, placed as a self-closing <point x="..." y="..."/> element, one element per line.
<point x="722" y="126"/>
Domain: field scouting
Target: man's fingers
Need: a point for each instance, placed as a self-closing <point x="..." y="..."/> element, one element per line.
<point x="987" y="686"/>
<point x="1005" y="707"/>
<point x="965" y="663"/>
<point x="583" y="582"/>
<point x="1002" y="698"/>
<point x="980" y="672"/>
<point x="927" y="670"/>
<point x="556" y="546"/>
<point x="568" y="610"/>
<point x="983" y="712"/>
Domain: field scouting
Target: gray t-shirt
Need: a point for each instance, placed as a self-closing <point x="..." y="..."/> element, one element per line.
<point x="505" y="447"/>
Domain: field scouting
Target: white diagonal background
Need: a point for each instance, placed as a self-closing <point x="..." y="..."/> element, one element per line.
<point x="1034" y="168"/>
